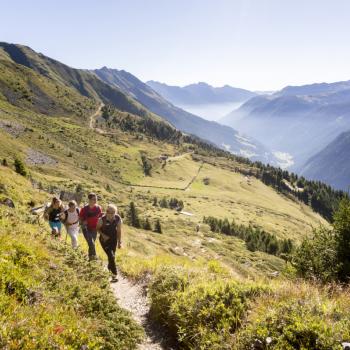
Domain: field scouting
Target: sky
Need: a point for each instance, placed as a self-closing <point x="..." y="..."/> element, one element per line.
<point x="254" y="44"/>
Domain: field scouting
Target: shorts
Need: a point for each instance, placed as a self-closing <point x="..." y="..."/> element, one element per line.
<point x="56" y="224"/>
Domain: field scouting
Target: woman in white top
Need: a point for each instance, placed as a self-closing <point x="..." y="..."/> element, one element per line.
<point x="70" y="218"/>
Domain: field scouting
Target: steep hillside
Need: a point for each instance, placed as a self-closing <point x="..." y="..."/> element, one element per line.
<point x="332" y="164"/>
<point x="83" y="82"/>
<point x="299" y="121"/>
<point x="222" y="136"/>
<point x="50" y="296"/>
<point x="215" y="276"/>
<point x="200" y="93"/>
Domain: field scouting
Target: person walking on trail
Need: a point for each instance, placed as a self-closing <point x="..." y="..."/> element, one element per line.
<point x="110" y="228"/>
<point x="53" y="213"/>
<point x="70" y="218"/>
<point x="89" y="216"/>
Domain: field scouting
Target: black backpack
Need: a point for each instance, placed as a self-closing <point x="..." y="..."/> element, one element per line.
<point x="66" y="214"/>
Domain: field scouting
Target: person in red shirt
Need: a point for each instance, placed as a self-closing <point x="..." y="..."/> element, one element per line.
<point x="89" y="216"/>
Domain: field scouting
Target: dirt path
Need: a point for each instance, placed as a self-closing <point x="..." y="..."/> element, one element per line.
<point x="92" y="121"/>
<point x="132" y="297"/>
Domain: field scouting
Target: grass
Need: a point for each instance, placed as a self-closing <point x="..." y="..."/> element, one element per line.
<point x="51" y="297"/>
<point x="208" y="289"/>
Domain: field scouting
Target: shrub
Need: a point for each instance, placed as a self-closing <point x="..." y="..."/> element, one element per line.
<point x="20" y="167"/>
<point x="311" y="324"/>
<point x="317" y="257"/>
<point x="157" y="227"/>
<point x="146" y="165"/>
<point x="326" y="256"/>
<point x="200" y="315"/>
<point x="146" y="225"/>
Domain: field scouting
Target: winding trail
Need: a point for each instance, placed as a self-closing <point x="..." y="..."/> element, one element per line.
<point x="92" y="119"/>
<point x="132" y="297"/>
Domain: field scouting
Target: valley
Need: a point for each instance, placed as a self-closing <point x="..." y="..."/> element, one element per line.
<point x="217" y="270"/>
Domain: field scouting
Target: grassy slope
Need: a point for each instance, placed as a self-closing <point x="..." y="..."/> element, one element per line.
<point x="97" y="161"/>
<point x="50" y="297"/>
<point x="220" y="268"/>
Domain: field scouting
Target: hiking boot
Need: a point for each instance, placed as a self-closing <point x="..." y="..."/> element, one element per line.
<point x="114" y="278"/>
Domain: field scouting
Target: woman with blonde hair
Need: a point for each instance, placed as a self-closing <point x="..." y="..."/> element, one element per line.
<point x="110" y="228"/>
<point x="70" y="218"/>
<point x="53" y="215"/>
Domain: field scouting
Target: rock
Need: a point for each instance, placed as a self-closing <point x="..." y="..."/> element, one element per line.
<point x="258" y="345"/>
<point x="8" y="202"/>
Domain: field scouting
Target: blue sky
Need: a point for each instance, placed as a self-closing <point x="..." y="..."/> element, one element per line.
<point x="255" y="44"/>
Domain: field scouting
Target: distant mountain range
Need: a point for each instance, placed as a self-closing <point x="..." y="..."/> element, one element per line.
<point x="220" y="135"/>
<point x="298" y="120"/>
<point x="200" y="93"/>
<point x="331" y="164"/>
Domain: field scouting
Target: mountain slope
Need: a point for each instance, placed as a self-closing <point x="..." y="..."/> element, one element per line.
<point x="210" y="285"/>
<point x="83" y="82"/>
<point x="222" y="136"/>
<point x="200" y="93"/>
<point x="297" y="120"/>
<point x="331" y="164"/>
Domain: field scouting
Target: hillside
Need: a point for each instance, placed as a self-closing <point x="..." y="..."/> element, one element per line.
<point x="299" y="121"/>
<point x="200" y="93"/>
<point x="220" y="135"/>
<point x="331" y="164"/>
<point x="217" y="274"/>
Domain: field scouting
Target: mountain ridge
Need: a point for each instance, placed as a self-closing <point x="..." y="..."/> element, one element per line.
<point x="200" y="93"/>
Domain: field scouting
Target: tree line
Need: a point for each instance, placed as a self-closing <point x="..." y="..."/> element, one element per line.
<point x="321" y="197"/>
<point x="255" y="238"/>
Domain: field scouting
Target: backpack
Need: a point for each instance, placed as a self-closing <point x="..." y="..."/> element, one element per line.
<point x="66" y="214"/>
<point x="91" y="213"/>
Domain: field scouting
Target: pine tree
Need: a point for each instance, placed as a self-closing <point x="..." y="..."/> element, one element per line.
<point x="20" y="168"/>
<point x="158" y="227"/>
<point x="132" y="216"/>
<point x="342" y="233"/>
<point x="147" y="225"/>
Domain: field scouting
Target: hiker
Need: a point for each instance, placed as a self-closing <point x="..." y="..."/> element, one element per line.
<point x="89" y="216"/>
<point x="52" y="213"/>
<point x="70" y="218"/>
<point x="110" y="228"/>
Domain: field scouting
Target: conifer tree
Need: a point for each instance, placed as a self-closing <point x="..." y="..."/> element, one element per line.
<point x="132" y="216"/>
<point x="158" y="227"/>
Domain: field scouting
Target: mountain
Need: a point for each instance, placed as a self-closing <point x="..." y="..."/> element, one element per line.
<point x="77" y="81"/>
<point x="200" y="93"/>
<point x="220" y="135"/>
<point x="215" y="276"/>
<point x="298" y="121"/>
<point x="332" y="164"/>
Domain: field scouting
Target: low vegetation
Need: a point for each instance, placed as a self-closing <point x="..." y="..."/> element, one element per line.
<point x="50" y="296"/>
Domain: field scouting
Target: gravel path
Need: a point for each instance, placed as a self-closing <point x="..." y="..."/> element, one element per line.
<point x="132" y="297"/>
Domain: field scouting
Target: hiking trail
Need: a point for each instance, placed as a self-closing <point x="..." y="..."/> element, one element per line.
<point x="92" y="119"/>
<point x="132" y="297"/>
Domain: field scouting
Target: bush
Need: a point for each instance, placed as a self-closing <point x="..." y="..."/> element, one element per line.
<point x="311" y="324"/>
<point x="326" y="256"/>
<point x="317" y="257"/>
<point x="20" y="167"/>
<point x="200" y="315"/>
<point x="157" y="227"/>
